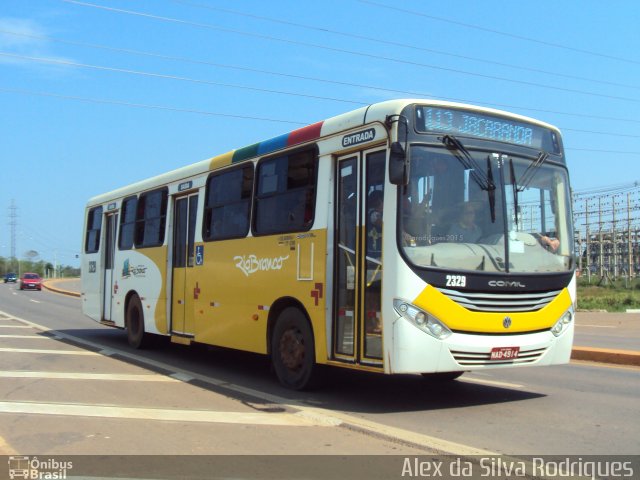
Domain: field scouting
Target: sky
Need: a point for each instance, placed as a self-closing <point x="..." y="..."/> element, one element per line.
<point x="98" y="94"/>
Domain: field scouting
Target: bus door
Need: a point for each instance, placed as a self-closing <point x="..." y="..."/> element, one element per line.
<point x="357" y="326"/>
<point x="111" y="222"/>
<point x="184" y="286"/>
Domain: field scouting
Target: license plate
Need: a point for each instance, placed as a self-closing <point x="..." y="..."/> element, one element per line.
<point x="504" y="353"/>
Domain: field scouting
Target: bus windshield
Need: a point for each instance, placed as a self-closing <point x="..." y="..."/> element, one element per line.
<point x="479" y="211"/>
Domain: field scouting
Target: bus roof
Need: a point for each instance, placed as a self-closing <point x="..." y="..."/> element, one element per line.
<point x="376" y="112"/>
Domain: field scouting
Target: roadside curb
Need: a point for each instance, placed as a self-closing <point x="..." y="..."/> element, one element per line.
<point x="52" y="288"/>
<point x="605" y="355"/>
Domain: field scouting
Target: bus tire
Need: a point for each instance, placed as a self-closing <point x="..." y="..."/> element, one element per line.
<point x="442" y="377"/>
<point x="136" y="335"/>
<point x="292" y="349"/>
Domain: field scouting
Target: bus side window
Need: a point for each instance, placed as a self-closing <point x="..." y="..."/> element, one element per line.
<point x="151" y="218"/>
<point x="94" y="227"/>
<point x="127" y="223"/>
<point x="228" y="204"/>
<point x="285" y="196"/>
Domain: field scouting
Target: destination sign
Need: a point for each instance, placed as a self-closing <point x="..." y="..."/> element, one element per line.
<point x="490" y="127"/>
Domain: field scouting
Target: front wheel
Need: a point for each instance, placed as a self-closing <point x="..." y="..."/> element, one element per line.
<point x="292" y="349"/>
<point x="135" y="324"/>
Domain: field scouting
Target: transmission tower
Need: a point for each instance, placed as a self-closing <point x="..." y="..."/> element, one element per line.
<point x="13" y="223"/>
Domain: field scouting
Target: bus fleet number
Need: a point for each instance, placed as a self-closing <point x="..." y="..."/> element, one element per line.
<point x="456" y="281"/>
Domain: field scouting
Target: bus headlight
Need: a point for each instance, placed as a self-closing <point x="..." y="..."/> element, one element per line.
<point x="422" y="320"/>
<point x="560" y="325"/>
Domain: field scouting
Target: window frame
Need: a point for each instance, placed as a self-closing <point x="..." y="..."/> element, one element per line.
<point x="257" y="197"/>
<point x="124" y="224"/>
<point x="142" y="220"/>
<point x="91" y="229"/>
<point x="209" y="236"/>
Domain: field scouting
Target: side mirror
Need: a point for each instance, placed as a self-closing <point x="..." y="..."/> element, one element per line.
<point x="398" y="165"/>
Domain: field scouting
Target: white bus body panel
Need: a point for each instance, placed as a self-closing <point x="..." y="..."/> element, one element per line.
<point x="415" y="351"/>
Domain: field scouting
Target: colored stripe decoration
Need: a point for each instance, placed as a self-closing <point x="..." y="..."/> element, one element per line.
<point x="304" y="134"/>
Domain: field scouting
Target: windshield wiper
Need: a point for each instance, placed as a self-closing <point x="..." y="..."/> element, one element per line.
<point x="491" y="192"/>
<point x="515" y="189"/>
<point x="530" y="172"/>
<point x="464" y="157"/>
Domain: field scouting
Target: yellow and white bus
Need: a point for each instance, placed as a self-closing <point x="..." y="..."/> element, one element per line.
<point x="408" y="236"/>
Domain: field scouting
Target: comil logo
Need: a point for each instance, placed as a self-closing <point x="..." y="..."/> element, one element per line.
<point x="37" y="469"/>
<point x="506" y="284"/>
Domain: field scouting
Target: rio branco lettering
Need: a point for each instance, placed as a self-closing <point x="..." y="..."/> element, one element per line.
<point x="250" y="264"/>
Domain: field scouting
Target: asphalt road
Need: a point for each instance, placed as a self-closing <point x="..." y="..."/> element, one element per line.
<point x="577" y="409"/>
<point x="608" y="330"/>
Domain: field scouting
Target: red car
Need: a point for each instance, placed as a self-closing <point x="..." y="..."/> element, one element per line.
<point x="30" y="281"/>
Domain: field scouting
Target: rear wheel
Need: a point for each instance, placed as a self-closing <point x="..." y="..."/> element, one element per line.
<point x="292" y="349"/>
<point x="135" y="324"/>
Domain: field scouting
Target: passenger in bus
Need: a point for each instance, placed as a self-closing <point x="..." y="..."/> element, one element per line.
<point x="465" y="229"/>
<point x="374" y="269"/>
<point x="550" y="243"/>
<point x="374" y="227"/>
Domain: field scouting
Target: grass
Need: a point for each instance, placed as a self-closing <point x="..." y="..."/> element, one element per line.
<point x="614" y="296"/>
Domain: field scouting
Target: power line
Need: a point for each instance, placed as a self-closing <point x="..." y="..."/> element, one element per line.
<point x="400" y="44"/>
<point x="221" y="84"/>
<point x="217" y="114"/>
<point x="609" y="188"/>
<point x="505" y="34"/>
<point x="147" y="106"/>
<point x="308" y="78"/>
<point x="171" y="77"/>
<point x="621" y="152"/>
<point x="349" y="52"/>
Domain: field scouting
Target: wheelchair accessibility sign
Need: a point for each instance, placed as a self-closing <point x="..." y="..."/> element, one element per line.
<point x="199" y="254"/>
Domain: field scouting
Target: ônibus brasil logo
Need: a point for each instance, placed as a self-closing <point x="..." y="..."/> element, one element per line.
<point x="35" y="468"/>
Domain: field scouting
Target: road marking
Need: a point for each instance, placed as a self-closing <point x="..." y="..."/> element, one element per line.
<point x="162" y="414"/>
<point x="25" y="336"/>
<point x="493" y="383"/>
<point x="362" y="425"/>
<point x="5" y="448"/>
<point x="15" y="326"/>
<point x="182" y="377"/>
<point x="89" y="376"/>
<point x="34" y="301"/>
<point x="54" y="352"/>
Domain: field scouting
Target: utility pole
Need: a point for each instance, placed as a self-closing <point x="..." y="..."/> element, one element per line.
<point x="615" y="239"/>
<point x="600" y="239"/>
<point x="13" y="223"/>
<point x="588" y="233"/>
<point x="629" y="244"/>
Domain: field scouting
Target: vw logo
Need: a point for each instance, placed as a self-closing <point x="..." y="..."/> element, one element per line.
<point x="506" y="323"/>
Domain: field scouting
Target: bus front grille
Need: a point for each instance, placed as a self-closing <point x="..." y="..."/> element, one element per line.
<point x="501" y="302"/>
<point x="475" y="359"/>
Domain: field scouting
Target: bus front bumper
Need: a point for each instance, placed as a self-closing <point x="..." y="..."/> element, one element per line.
<point x="414" y="351"/>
